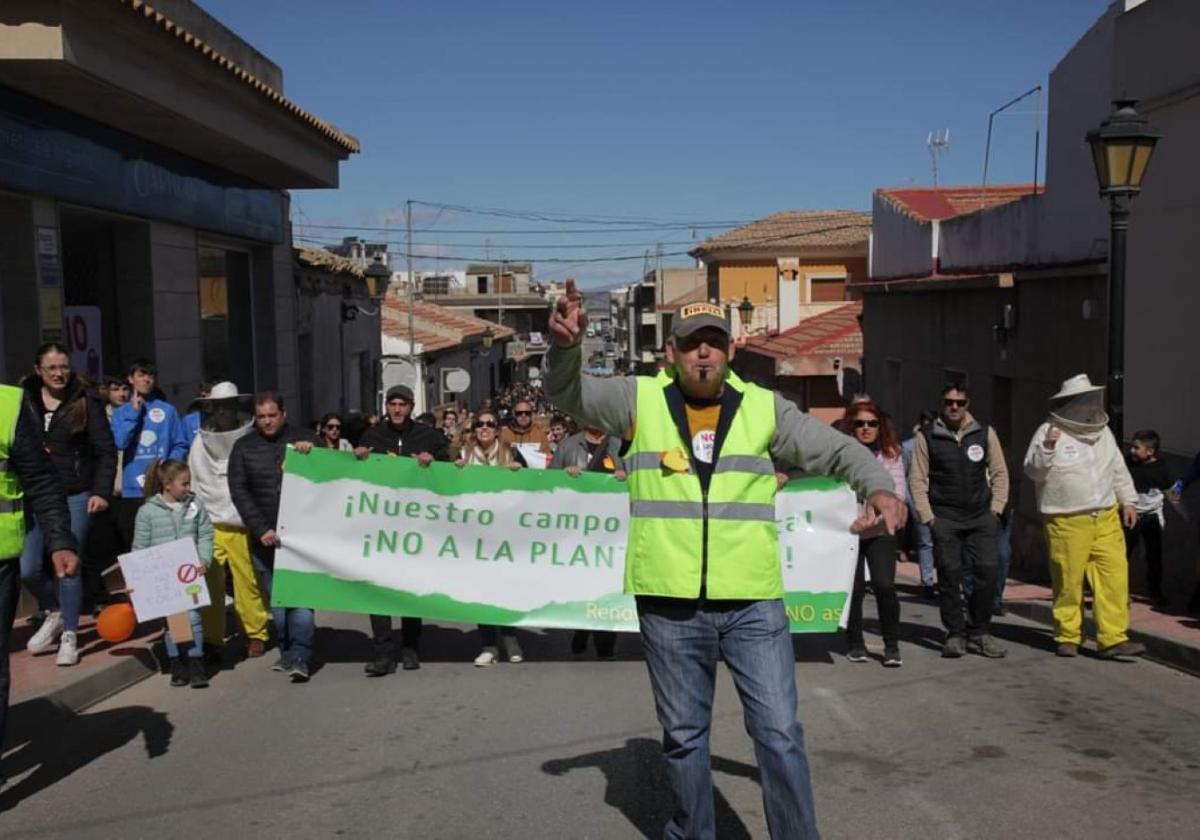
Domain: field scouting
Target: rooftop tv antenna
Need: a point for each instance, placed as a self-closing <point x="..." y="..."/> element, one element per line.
<point x="938" y="142"/>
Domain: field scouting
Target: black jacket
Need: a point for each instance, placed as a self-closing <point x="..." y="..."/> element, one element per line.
<point x="409" y="439"/>
<point x="84" y="455"/>
<point x="256" y="476"/>
<point x="44" y="496"/>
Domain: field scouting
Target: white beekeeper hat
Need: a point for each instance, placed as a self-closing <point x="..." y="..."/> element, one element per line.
<point x="1076" y="386"/>
<point x="220" y="391"/>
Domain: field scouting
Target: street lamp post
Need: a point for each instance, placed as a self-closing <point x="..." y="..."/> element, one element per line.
<point x="745" y="313"/>
<point x="377" y="276"/>
<point x="1121" y="150"/>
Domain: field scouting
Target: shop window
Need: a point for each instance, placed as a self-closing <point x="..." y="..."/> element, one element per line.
<point x="226" y="317"/>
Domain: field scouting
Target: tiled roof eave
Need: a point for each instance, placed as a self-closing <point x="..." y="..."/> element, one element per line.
<point x="170" y="27"/>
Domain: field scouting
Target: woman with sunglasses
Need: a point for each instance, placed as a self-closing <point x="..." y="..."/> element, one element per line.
<point x="876" y="548"/>
<point x="484" y="448"/>
<point x="329" y="433"/>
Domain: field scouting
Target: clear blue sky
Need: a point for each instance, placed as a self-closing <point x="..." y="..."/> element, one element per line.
<point x="654" y="110"/>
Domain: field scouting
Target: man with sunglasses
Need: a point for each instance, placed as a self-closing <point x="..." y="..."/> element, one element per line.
<point x="703" y="555"/>
<point x="959" y="485"/>
<point x="398" y="434"/>
<point x="529" y="440"/>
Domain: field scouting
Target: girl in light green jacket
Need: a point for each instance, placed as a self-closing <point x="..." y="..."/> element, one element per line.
<point x="171" y="512"/>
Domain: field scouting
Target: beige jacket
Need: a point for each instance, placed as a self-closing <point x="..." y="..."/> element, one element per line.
<point x="918" y="473"/>
<point x="1078" y="476"/>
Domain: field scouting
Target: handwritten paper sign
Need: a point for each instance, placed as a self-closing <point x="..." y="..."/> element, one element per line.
<point x="165" y="579"/>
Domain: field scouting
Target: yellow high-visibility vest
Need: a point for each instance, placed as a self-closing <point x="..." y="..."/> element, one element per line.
<point x="680" y="537"/>
<point x="12" y="514"/>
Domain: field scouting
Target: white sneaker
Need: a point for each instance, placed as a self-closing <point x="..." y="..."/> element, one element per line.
<point x="68" y="649"/>
<point x="44" y="639"/>
<point x="485" y="659"/>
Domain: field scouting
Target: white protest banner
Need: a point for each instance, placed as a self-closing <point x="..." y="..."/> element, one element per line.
<point x="165" y="579"/>
<point x="533" y="548"/>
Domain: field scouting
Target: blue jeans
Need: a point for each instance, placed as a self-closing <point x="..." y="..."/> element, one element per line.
<point x="924" y="540"/>
<point x="294" y="626"/>
<point x="196" y="651"/>
<point x="1003" y="558"/>
<point x="682" y="641"/>
<point x="68" y="594"/>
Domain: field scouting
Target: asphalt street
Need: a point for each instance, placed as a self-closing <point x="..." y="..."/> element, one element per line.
<point x="1030" y="746"/>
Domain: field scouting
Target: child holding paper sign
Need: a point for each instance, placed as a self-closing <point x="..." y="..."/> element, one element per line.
<point x="171" y="513"/>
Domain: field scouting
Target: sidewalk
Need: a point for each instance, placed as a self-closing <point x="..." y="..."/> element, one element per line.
<point x="103" y="669"/>
<point x="1169" y="638"/>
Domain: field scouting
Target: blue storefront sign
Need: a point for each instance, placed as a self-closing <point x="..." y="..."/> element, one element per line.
<point x="49" y="151"/>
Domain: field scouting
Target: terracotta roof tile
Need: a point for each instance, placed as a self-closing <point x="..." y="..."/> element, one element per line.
<point x="170" y="27"/>
<point x="926" y="204"/>
<point x="320" y="258"/>
<point x="436" y="327"/>
<point x="792" y="229"/>
<point x="833" y="333"/>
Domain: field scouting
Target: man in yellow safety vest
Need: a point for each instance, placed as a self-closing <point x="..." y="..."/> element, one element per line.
<point x="27" y="479"/>
<point x="703" y="554"/>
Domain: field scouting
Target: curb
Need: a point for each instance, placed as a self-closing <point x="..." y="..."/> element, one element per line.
<point x="127" y="669"/>
<point x="1162" y="649"/>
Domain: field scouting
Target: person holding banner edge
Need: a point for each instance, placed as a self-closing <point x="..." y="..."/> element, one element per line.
<point x="399" y="435"/>
<point x="703" y="556"/>
<point x="255" y="482"/>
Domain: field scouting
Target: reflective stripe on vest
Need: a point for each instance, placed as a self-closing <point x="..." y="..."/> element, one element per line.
<point x="12" y="517"/>
<point x="668" y="513"/>
<point x="733" y="511"/>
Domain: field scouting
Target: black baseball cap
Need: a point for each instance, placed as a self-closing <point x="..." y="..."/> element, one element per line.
<point x="694" y="316"/>
<point x="400" y="391"/>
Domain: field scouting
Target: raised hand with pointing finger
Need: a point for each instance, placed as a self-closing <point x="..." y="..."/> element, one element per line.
<point x="569" y="318"/>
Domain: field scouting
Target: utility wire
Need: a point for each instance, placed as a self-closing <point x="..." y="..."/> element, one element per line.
<point x="626" y="257"/>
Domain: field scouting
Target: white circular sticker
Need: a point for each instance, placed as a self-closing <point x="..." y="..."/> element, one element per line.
<point x="147" y="438"/>
<point x="157" y="415"/>
<point x="975" y="452"/>
<point x="1068" y="451"/>
<point x="702" y="446"/>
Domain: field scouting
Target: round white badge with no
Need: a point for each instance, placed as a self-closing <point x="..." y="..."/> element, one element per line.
<point x="975" y="453"/>
<point x="157" y="415"/>
<point x="702" y="446"/>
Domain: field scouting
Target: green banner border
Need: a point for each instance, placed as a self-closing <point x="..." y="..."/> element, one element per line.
<point x="809" y="612"/>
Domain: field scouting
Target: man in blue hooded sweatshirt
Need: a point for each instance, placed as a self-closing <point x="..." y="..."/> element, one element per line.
<point x="145" y="428"/>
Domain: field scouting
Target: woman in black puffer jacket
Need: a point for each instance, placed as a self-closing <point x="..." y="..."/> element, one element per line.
<point x="77" y="437"/>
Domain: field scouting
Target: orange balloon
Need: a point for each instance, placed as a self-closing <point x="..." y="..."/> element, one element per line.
<point x="116" y="622"/>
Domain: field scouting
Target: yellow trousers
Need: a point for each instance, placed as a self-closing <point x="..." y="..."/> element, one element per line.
<point x="232" y="550"/>
<point x="1092" y="546"/>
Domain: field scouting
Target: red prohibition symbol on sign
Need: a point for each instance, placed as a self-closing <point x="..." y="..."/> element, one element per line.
<point x="188" y="573"/>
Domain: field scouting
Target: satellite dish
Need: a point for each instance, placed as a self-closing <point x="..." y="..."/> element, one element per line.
<point x="456" y="380"/>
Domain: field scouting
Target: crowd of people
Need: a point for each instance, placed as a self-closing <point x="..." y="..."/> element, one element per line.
<point x="130" y="466"/>
<point x="96" y="469"/>
<point x="136" y="473"/>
